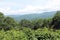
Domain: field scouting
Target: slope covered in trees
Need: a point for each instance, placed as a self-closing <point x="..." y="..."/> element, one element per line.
<point x="56" y="21"/>
<point x="39" y="29"/>
<point x="34" y="16"/>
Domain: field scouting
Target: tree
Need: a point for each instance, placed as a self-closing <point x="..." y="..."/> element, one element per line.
<point x="1" y="15"/>
<point x="1" y="19"/>
<point x="10" y="22"/>
<point x="38" y="24"/>
<point x="26" y="23"/>
<point x="56" y="21"/>
<point x="46" y="22"/>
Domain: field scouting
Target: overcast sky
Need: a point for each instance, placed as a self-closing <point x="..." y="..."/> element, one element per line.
<point x="13" y="7"/>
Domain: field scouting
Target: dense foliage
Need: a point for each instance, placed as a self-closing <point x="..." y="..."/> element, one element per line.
<point x="39" y="29"/>
<point x="56" y="21"/>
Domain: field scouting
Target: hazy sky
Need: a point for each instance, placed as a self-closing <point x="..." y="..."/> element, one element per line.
<point x="13" y="7"/>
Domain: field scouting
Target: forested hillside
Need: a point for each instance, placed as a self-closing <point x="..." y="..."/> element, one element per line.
<point x="33" y="16"/>
<point x="38" y="29"/>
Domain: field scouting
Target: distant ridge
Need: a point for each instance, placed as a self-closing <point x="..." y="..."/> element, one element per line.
<point x="33" y="16"/>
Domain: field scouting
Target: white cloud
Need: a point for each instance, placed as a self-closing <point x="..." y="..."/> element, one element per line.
<point x="30" y="9"/>
<point x="51" y="5"/>
<point x="8" y="4"/>
<point x="4" y="10"/>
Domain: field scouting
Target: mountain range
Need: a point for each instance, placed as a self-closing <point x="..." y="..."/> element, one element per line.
<point x="33" y="16"/>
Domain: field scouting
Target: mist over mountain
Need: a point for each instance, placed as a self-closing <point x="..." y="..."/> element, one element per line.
<point x="34" y="16"/>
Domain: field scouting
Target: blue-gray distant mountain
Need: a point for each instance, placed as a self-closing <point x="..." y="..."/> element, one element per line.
<point x="34" y="16"/>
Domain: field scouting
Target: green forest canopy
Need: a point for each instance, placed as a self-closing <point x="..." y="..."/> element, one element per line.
<point x="41" y="29"/>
